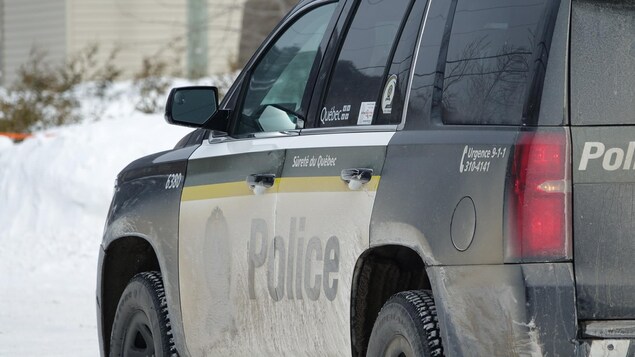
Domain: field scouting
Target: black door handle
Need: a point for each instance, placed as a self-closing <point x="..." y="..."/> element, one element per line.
<point x="357" y="177"/>
<point x="261" y="180"/>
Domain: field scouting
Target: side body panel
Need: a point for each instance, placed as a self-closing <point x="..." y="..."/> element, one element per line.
<point x="145" y="206"/>
<point x="443" y="193"/>
<point x="506" y="310"/>
<point x="485" y="307"/>
<point x="602" y="118"/>
<point x="427" y="176"/>
<point x="603" y="221"/>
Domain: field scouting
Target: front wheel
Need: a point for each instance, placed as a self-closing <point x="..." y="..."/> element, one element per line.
<point x="142" y="325"/>
<point x="407" y="326"/>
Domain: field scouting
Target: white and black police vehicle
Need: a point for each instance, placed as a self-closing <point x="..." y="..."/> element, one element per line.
<point x="391" y="178"/>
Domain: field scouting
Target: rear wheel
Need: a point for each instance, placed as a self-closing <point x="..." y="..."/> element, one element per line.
<point x="142" y="325"/>
<point x="407" y="326"/>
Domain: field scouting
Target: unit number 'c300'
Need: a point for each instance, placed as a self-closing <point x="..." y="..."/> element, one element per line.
<point x="174" y="181"/>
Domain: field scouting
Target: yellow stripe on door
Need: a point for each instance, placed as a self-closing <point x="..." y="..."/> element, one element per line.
<point x="283" y="185"/>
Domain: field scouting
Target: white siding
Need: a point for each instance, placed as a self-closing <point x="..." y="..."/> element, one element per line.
<point x="225" y="21"/>
<point x="153" y="27"/>
<point x="31" y="24"/>
<point x="138" y="28"/>
<point x="1" y="41"/>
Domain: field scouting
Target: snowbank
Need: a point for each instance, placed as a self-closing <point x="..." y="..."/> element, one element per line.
<point x="5" y="142"/>
<point x="55" y="189"/>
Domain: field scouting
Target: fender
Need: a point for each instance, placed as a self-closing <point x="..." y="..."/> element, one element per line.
<point x="146" y="205"/>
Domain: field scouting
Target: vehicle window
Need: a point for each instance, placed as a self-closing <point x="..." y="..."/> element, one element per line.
<point x="358" y="77"/>
<point x="392" y="99"/>
<point x="428" y="68"/>
<point x="494" y="51"/>
<point x="273" y="99"/>
<point x="603" y="62"/>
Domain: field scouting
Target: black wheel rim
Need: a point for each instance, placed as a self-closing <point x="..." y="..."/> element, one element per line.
<point x="138" y="341"/>
<point x="398" y="347"/>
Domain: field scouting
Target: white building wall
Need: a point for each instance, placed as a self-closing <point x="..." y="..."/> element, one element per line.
<point x="32" y="24"/>
<point x="153" y="27"/>
<point x="224" y="26"/>
<point x="138" y="28"/>
<point x="1" y="40"/>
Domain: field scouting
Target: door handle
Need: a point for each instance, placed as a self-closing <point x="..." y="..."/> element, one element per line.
<point x="259" y="183"/>
<point x="356" y="177"/>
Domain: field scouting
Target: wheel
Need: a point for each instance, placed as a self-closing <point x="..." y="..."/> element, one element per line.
<point x="142" y="325"/>
<point x="407" y="326"/>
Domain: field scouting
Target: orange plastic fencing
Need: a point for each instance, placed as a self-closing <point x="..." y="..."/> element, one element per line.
<point x="15" y="136"/>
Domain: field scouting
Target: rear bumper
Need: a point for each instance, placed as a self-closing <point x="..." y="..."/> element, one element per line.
<point x="507" y="310"/>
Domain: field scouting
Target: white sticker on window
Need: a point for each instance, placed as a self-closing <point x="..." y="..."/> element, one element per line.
<point x="389" y="94"/>
<point x="366" y="112"/>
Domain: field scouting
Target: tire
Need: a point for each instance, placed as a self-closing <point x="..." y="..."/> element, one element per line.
<point x="407" y="326"/>
<point x="142" y="325"/>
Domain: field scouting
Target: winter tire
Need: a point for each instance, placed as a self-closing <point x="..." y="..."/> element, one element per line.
<point x="142" y="325"/>
<point x="407" y="326"/>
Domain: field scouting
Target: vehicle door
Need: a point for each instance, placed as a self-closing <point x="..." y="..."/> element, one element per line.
<point x="331" y="174"/>
<point x="603" y="136"/>
<point x="229" y="196"/>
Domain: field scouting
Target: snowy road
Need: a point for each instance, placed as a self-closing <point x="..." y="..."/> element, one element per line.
<point x="48" y="314"/>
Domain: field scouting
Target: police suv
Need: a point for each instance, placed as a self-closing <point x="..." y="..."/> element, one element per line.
<point x="391" y="178"/>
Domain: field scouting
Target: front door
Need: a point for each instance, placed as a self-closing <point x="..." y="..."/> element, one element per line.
<point x="228" y="206"/>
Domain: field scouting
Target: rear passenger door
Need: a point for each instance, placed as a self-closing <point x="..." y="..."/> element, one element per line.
<point x="332" y="171"/>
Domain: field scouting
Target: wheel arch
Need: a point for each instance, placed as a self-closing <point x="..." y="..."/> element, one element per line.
<point x="380" y="272"/>
<point x="123" y="258"/>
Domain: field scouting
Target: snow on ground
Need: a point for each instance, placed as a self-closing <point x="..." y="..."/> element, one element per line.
<point x="55" y="190"/>
<point x="5" y="142"/>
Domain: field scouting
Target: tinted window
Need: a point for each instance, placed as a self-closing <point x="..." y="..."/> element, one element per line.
<point x="273" y="101"/>
<point x="360" y="70"/>
<point x="603" y="62"/>
<point x="391" y="111"/>
<point x="427" y="73"/>
<point x="495" y="50"/>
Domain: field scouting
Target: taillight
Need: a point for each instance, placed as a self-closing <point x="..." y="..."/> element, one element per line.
<point x="539" y="222"/>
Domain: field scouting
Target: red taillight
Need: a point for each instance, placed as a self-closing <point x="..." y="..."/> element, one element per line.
<point x="539" y="218"/>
